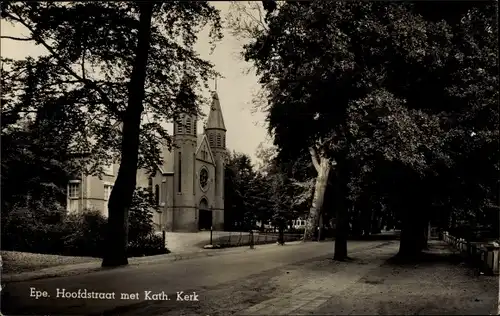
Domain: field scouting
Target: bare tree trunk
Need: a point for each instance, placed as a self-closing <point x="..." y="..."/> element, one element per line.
<point x="121" y="195"/>
<point x="323" y="168"/>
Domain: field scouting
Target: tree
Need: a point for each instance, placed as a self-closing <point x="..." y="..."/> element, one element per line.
<point x="243" y="189"/>
<point x="376" y="94"/>
<point x="107" y="65"/>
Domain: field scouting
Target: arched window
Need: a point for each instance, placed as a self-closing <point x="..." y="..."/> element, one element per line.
<point x="188" y="125"/>
<point x="224" y="141"/>
<point x="179" y="127"/>
<point x="150" y="188"/>
<point x="157" y="195"/>
<point x="218" y="141"/>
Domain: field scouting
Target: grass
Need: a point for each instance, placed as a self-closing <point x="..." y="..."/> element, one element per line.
<point x="18" y="262"/>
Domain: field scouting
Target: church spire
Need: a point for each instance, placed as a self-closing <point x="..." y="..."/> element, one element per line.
<point x="215" y="118"/>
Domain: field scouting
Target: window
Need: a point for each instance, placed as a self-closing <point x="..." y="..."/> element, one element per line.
<point x="74" y="190"/>
<point x="179" y="127"/>
<point x="188" y="125"/>
<point x="108" y="170"/>
<point x="150" y="188"/>
<point x="204" y="179"/>
<point x="179" y="185"/>
<point x="218" y="141"/>
<point x="224" y="141"/>
<point x="211" y="139"/>
<point x="107" y="191"/>
<point x="195" y="126"/>
<point x="150" y="184"/>
<point x="163" y="189"/>
<point x="157" y="195"/>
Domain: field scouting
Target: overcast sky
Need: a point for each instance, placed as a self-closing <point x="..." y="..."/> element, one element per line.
<point x="245" y="130"/>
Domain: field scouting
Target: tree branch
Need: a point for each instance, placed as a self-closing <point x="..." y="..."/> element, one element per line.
<point x="17" y="38"/>
<point x="89" y="83"/>
<point x="314" y="158"/>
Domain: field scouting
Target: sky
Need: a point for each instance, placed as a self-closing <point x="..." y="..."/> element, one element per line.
<point x="245" y="129"/>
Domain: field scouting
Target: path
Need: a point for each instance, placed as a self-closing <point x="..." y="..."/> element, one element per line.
<point x="294" y="279"/>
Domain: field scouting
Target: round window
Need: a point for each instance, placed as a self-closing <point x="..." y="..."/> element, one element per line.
<point x="204" y="178"/>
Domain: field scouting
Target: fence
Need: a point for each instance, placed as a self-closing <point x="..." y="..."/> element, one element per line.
<point x="484" y="256"/>
<point x="235" y="239"/>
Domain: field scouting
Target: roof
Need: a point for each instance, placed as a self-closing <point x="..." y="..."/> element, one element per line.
<point x="215" y="118"/>
<point x="203" y="138"/>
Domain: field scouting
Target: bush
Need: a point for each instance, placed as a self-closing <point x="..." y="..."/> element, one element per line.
<point x="34" y="229"/>
<point x="141" y="234"/>
<point x="78" y="234"/>
<point x="84" y="233"/>
<point x="150" y="245"/>
<point x="296" y="230"/>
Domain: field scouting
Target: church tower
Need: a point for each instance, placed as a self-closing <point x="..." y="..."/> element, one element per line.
<point x="216" y="133"/>
<point x="184" y="206"/>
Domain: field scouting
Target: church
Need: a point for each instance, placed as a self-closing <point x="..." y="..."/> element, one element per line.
<point x="188" y="187"/>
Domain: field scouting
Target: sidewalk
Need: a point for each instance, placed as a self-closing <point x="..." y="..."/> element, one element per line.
<point x="371" y="284"/>
<point x="89" y="267"/>
<point x="437" y="285"/>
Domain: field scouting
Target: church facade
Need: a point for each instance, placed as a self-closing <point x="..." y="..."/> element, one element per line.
<point x="188" y="187"/>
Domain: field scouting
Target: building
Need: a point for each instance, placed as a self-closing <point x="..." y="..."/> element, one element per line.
<point x="188" y="186"/>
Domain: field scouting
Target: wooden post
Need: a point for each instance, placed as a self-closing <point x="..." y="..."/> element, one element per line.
<point x="251" y="239"/>
<point x="211" y="233"/>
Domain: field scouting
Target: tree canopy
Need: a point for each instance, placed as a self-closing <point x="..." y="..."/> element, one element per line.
<point x="401" y="95"/>
<point x="84" y="76"/>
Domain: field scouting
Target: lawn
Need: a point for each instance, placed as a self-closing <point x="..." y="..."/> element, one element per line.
<point x="18" y="262"/>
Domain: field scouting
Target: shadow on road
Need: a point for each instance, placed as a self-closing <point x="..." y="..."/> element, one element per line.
<point x="392" y="235"/>
<point x="437" y="252"/>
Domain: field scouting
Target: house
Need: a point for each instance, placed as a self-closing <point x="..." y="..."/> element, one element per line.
<point x="298" y="223"/>
<point x="188" y="187"/>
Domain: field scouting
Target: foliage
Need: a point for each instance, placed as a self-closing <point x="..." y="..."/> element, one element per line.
<point x="35" y="168"/>
<point x="107" y="65"/>
<point x="276" y="192"/>
<point x="390" y="92"/>
<point x="35" y="229"/>
<point x="52" y="231"/>
<point x="84" y="233"/>
<point x="84" y="75"/>
<point x="142" y="237"/>
<point x="141" y="215"/>
<point x="244" y="188"/>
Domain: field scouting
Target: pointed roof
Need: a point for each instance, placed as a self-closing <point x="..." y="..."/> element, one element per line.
<point x="202" y="139"/>
<point x="215" y="118"/>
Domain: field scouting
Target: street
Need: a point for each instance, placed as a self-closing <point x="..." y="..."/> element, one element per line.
<point x="296" y="278"/>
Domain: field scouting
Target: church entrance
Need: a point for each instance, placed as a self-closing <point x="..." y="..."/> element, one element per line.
<point x="205" y="216"/>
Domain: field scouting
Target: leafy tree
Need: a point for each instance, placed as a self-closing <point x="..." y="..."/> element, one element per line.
<point x="380" y="94"/>
<point x="241" y="192"/>
<point x="110" y="63"/>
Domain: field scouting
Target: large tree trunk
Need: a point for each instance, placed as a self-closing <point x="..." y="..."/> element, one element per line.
<point x="321" y="224"/>
<point x="123" y="190"/>
<point x="342" y="229"/>
<point x="323" y="168"/>
<point x="413" y="235"/>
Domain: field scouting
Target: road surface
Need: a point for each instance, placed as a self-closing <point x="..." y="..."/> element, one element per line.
<point x="291" y="279"/>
